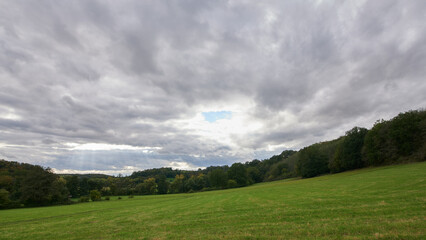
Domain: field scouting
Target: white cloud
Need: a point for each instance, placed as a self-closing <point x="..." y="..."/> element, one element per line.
<point x="108" y="147"/>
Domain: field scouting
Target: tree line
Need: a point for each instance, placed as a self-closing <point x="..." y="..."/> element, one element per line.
<point x="401" y="139"/>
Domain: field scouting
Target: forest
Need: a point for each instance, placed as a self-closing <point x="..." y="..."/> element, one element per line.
<point x="401" y="139"/>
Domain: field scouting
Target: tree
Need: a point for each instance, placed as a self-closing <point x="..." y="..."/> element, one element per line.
<point x="95" y="195"/>
<point x="6" y="182"/>
<point x="348" y="154"/>
<point x="254" y="175"/>
<point x="73" y="185"/>
<point x="4" y="198"/>
<point x="106" y="191"/>
<point x="43" y="187"/>
<point x="312" y="162"/>
<point x="150" y="186"/>
<point x="177" y="185"/>
<point x="238" y="173"/>
<point x="278" y="171"/>
<point x="396" y="140"/>
<point x="218" y="178"/>
<point x="162" y="184"/>
<point x="59" y="191"/>
<point x="200" y="182"/>
<point x="232" y="183"/>
<point x="84" y="187"/>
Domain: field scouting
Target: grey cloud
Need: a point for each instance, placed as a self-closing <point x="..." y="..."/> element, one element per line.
<point x="125" y="72"/>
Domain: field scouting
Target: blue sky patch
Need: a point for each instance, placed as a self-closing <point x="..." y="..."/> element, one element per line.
<point x="214" y="116"/>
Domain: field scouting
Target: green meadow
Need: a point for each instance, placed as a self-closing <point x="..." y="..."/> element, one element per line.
<point x="372" y="203"/>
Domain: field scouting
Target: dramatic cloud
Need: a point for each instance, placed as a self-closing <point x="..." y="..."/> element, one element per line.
<point x="119" y="86"/>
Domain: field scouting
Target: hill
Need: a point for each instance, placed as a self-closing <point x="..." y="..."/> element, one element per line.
<point x="372" y="203"/>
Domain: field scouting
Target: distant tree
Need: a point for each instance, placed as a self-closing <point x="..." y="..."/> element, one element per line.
<point x="163" y="184"/>
<point x="312" y="161"/>
<point x="218" y="178"/>
<point x="4" y="198"/>
<point x="201" y="181"/>
<point x="140" y="188"/>
<point x="287" y="153"/>
<point x="348" y="153"/>
<point x="238" y="173"/>
<point x="232" y="183"/>
<point x="84" y="188"/>
<point x="278" y="171"/>
<point x="42" y="187"/>
<point x="6" y="182"/>
<point x="407" y="132"/>
<point x="59" y="191"/>
<point x="177" y="185"/>
<point x="190" y="184"/>
<point x="254" y="175"/>
<point x="196" y="182"/>
<point x="94" y="184"/>
<point x="150" y="185"/>
<point x="95" y="195"/>
<point x="396" y="140"/>
<point x="106" y="191"/>
<point x="73" y="185"/>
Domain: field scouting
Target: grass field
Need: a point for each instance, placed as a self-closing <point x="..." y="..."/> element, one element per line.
<point x="374" y="203"/>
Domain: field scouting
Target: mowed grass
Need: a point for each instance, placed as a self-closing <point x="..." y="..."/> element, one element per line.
<point x="374" y="203"/>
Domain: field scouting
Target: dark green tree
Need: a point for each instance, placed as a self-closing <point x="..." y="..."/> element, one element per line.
<point x="218" y="178"/>
<point x="238" y="172"/>
<point x="254" y="175"/>
<point x="163" y="184"/>
<point x="4" y="198"/>
<point x="73" y="185"/>
<point x="43" y="187"/>
<point x="348" y="153"/>
<point x="396" y="140"/>
<point x="84" y="187"/>
<point x="312" y="162"/>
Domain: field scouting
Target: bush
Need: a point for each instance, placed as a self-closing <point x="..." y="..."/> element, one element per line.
<point x="107" y="198"/>
<point x="232" y="183"/>
<point x="131" y="196"/>
<point x="84" y="199"/>
<point x="119" y="198"/>
<point x="95" y="195"/>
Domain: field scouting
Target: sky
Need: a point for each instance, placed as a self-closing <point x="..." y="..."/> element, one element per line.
<point x="120" y="86"/>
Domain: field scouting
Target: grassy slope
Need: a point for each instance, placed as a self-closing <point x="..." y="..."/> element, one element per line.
<point x="387" y="202"/>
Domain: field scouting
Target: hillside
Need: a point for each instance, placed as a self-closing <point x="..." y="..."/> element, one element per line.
<point x="372" y="203"/>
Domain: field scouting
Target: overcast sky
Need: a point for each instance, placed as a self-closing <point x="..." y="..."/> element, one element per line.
<point x="118" y="86"/>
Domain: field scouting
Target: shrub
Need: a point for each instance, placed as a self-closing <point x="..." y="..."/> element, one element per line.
<point x="84" y="199"/>
<point x="119" y="198"/>
<point x="95" y="195"/>
<point x="131" y="196"/>
<point x="232" y="183"/>
<point x="107" y="198"/>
